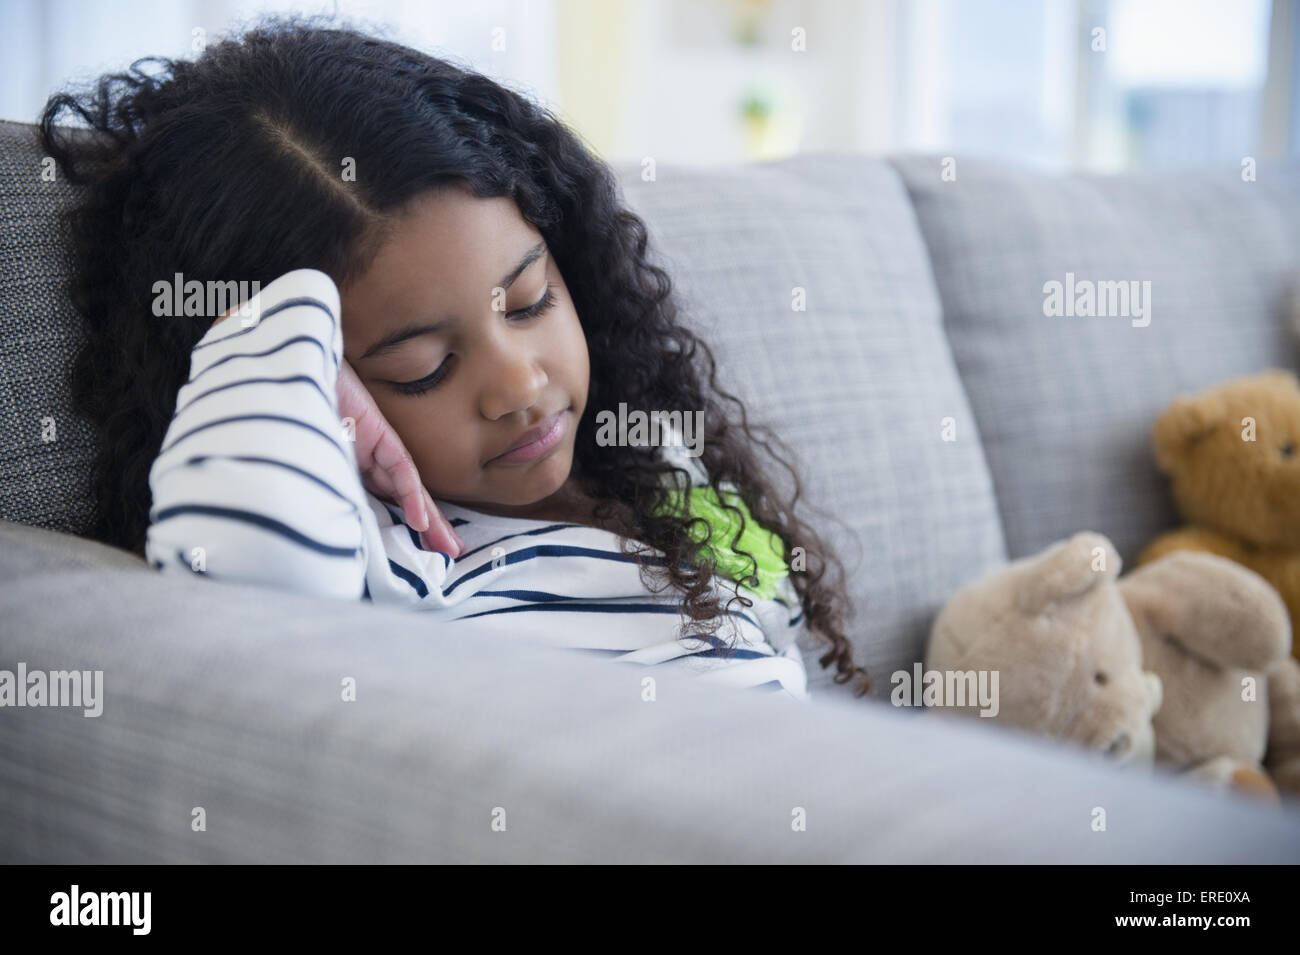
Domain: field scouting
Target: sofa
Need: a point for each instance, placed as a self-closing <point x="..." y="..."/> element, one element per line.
<point x="942" y="424"/>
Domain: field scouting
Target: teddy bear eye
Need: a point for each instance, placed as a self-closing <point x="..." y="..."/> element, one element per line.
<point x="1287" y="449"/>
<point x="1100" y="678"/>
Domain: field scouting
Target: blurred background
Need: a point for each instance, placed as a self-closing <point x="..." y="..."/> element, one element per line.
<point x="1088" y="84"/>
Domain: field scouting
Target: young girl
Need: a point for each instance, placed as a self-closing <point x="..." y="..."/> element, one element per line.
<point x="450" y="292"/>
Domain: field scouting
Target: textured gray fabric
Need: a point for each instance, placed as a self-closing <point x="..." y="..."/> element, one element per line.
<point x="228" y="698"/>
<point x="45" y="448"/>
<point x="1066" y="405"/>
<point x="34" y="551"/>
<point x="857" y="385"/>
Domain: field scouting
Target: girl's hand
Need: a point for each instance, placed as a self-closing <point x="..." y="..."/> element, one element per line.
<point x="387" y="470"/>
<point x="386" y="466"/>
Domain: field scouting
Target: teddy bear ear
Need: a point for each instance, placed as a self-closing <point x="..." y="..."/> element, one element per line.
<point x="1065" y="571"/>
<point x="1187" y="420"/>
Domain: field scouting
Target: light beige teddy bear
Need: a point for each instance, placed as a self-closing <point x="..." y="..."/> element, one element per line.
<point x="1060" y="637"/>
<point x="1219" y="636"/>
<point x="1070" y="641"/>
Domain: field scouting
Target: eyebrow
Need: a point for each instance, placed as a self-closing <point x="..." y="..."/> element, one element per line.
<point x="406" y="332"/>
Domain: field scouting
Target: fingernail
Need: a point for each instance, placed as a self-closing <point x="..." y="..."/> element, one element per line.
<point x="428" y="509"/>
<point x="460" y="544"/>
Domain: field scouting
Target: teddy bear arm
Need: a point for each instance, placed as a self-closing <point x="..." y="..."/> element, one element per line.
<point x="1213" y="607"/>
<point x="1282" y="571"/>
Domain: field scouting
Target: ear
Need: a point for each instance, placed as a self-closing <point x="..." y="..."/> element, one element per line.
<point x="1067" y="569"/>
<point x="1187" y="420"/>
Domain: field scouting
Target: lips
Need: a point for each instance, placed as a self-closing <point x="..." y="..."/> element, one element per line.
<point x="532" y="434"/>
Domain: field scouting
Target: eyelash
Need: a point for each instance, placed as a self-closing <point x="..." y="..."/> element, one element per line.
<point x="433" y="380"/>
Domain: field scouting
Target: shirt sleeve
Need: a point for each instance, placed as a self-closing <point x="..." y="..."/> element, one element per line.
<point x="257" y="481"/>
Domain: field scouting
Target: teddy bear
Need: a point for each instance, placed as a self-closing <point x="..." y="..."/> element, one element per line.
<point x="1232" y="455"/>
<point x="1055" y="629"/>
<point x="1219" y="637"/>
<point x="1137" y="668"/>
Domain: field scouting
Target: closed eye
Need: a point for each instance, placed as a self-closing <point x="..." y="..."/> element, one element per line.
<point x="541" y="305"/>
<point x="440" y="373"/>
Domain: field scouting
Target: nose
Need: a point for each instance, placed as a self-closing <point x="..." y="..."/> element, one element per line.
<point x="1120" y="745"/>
<point x="512" y="375"/>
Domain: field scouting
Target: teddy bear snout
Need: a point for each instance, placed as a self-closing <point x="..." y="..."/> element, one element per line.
<point x="1155" y="691"/>
<point x="1128" y="736"/>
<point x="1120" y="745"/>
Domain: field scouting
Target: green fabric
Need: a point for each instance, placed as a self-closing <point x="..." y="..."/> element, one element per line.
<point x="767" y="548"/>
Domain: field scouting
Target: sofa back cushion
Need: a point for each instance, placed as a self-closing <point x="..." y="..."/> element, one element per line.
<point x="46" y="450"/>
<point x="1066" y="403"/>
<point x="858" y="385"/>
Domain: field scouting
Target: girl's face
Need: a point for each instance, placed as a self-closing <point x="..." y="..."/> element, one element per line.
<point x="446" y="297"/>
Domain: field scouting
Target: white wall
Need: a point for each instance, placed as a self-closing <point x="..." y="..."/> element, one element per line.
<point x="667" y="78"/>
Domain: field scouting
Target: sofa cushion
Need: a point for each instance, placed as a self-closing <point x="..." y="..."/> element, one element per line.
<point x="858" y="384"/>
<point x="27" y="551"/>
<point x="230" y="698"/>
<point x="46" y="449"/>
<point x="1065" y="405"/>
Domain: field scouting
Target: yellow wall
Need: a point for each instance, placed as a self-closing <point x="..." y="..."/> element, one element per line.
<point x="591" y="59"/>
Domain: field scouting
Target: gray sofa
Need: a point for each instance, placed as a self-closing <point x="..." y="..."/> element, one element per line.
<point x="924" y="302"/>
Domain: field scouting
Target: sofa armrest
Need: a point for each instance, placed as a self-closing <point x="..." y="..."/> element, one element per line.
<point x="229" y="698"/>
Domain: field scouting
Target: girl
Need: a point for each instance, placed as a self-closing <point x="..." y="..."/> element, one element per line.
<point x="443" y="266"/>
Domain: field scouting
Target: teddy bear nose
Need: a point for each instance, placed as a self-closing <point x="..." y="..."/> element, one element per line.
<point x="1120" y="744"/>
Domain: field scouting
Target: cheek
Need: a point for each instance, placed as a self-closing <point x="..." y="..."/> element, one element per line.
<point x="574" y="352"/>
<point x="440" y="452"/>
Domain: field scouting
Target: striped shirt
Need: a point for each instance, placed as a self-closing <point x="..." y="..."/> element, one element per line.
<point x="257" y="482"/>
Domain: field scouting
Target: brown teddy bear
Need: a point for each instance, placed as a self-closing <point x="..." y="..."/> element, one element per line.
<point x="1166" y="662"/>
<point x="1232" y="455"/>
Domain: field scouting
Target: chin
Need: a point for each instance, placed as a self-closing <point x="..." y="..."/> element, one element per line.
<point x="541" y="479"/>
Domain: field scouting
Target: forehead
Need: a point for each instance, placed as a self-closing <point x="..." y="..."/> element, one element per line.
<point x="447" y="247"/>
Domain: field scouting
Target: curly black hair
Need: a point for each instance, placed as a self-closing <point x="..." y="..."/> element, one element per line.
<point x="278" y="105"/>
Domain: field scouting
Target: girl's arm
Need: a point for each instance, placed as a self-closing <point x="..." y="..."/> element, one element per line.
<point x="256" y="481"/>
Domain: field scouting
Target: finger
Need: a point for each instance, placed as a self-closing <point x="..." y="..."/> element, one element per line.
<point x="440" y="534"/>
<point x="405" y="479"/>
<point x="378" y="483"/>
<point x="436" y="534"/>
<point x="431" y="509"/>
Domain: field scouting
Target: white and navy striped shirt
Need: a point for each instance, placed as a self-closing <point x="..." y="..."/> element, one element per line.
<point x="257" y="482"/>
